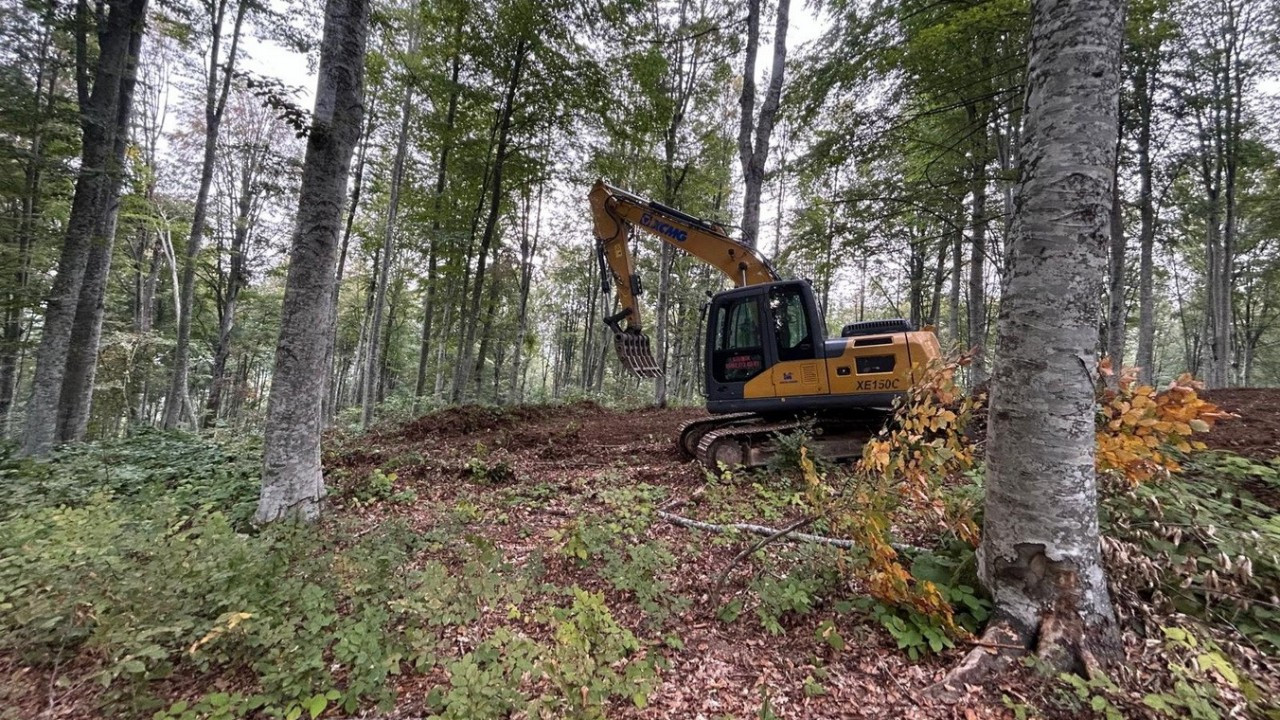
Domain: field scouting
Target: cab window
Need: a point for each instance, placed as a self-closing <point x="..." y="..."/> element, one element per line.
<point x="790" y="324"/>
<point x="738" y="353"/>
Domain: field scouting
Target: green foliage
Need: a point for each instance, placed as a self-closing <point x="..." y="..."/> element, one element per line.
<point x="486" y="471"/>
<point x="140" y="593"/>
<point x="786" y="458"/>
<point x="590" y="660"/>
<point x="628" y="565"/>
<point x="638" y="569"/>
<point x="152" y="593"/>
<point x="380" y="486"/>
<point x="1201" y="544"/>
<point x="1198" y="668"/>
<point x="196" y="474"/>
<point x="795" y="594"/>
<point x="1093" y="695"/>
<point x="952" y="571"/>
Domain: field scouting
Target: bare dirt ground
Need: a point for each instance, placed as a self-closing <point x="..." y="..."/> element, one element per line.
<point x="1256" y="434"/>
<point x="563" y="460"/>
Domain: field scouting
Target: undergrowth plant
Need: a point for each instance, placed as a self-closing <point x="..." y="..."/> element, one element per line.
<point x="1199" y="544"/>
<point x="911" y="470"/>
<point x="1143" y="432"/>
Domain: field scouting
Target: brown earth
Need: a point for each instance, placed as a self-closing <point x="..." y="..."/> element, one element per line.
<point x="583" y="450"/>
<point x="565" y="461"/>
<point x="1256" y="433"/>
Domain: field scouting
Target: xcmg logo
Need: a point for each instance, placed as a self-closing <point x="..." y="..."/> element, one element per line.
<point x="663" y="227"/>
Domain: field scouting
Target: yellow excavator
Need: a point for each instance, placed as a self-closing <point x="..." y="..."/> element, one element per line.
<point x="769" y="366"/>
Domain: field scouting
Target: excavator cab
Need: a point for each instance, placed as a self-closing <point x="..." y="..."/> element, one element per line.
<point x="754" y="330"/>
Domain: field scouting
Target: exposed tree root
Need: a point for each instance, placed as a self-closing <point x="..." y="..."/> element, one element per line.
<point x="995" y="651"/>
<point x="1064" y="644"/>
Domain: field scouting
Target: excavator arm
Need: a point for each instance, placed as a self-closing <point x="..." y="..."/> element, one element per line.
<point x="616" y="213"/>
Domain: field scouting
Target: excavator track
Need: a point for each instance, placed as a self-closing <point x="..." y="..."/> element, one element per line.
<point x="741" y="445"/>
<point x="691" y="432"/>
<point x="747" y="444"/>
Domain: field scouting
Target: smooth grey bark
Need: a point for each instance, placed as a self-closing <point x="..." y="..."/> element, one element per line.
<point x="177" y="402"/>
<point x="373" y="368"/>
<point x="1040" y="554"/>
<point x="76" y="399"/>
<point x="754" y="155"/>
<point x="292" y="480"/>
<point x="97" y="182"/>
<point x="333" y="390"/>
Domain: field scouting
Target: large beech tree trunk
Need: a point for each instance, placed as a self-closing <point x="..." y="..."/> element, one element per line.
<point x="1040" y="555"/>
<point x="292" y="482"/>
<point x="104" y="111"/>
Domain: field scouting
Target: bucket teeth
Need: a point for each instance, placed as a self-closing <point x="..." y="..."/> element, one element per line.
<point x="635" y="354"/>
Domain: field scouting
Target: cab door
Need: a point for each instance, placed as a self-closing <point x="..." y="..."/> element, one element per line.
<point x="736" y="347"/>
<point x="797" y="340"/>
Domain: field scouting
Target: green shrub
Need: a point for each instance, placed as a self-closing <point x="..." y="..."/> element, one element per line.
<point x="144" y="593"/>
<point x="192" y="472"/>
<point x="1201" y="544"/>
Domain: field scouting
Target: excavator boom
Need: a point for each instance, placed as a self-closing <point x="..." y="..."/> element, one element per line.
<point x="616" y="213"/>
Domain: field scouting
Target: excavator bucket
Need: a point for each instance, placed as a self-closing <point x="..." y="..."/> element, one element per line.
<point x="635" y="354"/>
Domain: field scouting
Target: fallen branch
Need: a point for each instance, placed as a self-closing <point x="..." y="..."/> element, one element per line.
<point x="768" y="531"/>
<point x="757" y="545"/>
<point x="750" y="528"/>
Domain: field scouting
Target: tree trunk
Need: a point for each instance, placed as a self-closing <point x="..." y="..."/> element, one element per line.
<point x="491" y="223"/>
<point x="237" y="277"/>
<point x="333" y="388"/>
<point x="754" y="156"/>
<point x="292" y="481"/>
<point x="977" y="305"/>
<point x="957" y="261"/>
<point x="433" y="253"/>
<point x="373" y="368"/>
<point x="1040" y="554"/>
<point x="486" y="327"/>
<point x="176" y="403"/>
<point x="528" y="251"/>
<point x="98" y="180"/>
<point x="1143" y="90"/>
<point x="1116" y="308"/>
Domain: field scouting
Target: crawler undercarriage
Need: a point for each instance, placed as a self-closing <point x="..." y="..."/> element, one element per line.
<point x="746" y="440"/>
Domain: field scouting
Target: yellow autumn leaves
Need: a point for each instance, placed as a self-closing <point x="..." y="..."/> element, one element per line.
<point x="1138" y="427"/>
